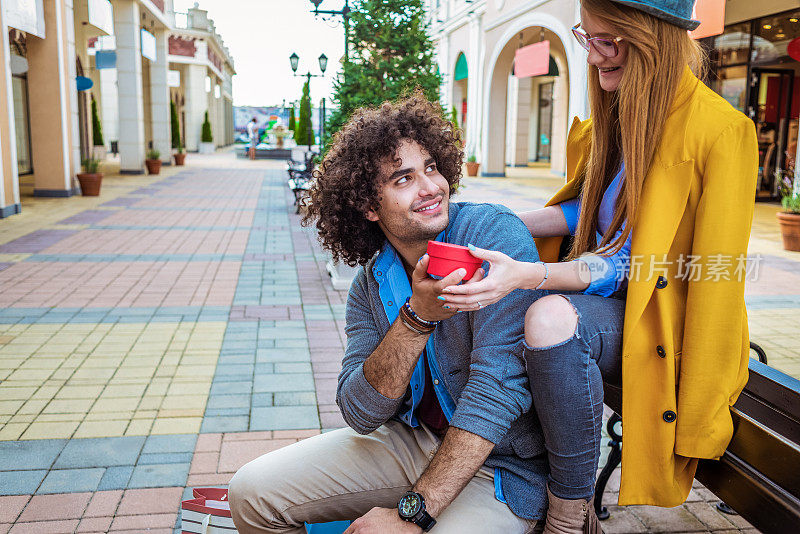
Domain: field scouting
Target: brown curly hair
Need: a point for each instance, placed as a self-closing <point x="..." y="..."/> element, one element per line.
<point x="348" y="181"/>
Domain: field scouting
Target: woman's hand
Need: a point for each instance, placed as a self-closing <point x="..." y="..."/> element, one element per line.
<point x="505" y="275"/>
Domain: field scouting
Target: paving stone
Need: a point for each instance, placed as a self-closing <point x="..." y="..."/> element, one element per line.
<point x="71" y="480"/>
<point x="150" y="501"/>
<point x="53" y="507"/>
<point x="295" y="398"/>
<point x="170" y="443"/>
<point x="282" y="355"/>
<point x="677" y="519"/>
<point x="11" y="506"/>
<point x="283" y="382"/>
<point x="165" y="458"/>
<point x="284" y="418"/>
<point x="116" y="478"/>
<point x="64" y="526"/>
<point x="225" y="424"/>
<point x="20" y="482"/>
<point x="709" y="515"/>
<point x="33" y="454"/>
<point x="159" y="475"/>
<point x="100" y="452"/>
<point x="231" y="388"/>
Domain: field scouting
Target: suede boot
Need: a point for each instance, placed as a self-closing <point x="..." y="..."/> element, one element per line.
<point x="565" y="516"/>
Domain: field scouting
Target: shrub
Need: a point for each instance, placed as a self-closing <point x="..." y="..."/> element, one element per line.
<point x="206" y="136"/>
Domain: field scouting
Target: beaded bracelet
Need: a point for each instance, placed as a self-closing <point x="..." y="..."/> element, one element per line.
<point x="407" y="306"/>
<point x="546" y="273"/>
<point x="413" y="327"/>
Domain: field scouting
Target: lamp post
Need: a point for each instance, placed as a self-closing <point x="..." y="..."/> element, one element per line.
<point x="294" y="61"/>
<point x="344" y="13"/>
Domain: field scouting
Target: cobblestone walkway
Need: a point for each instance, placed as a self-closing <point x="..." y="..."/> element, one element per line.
<point x="159" y="339"/>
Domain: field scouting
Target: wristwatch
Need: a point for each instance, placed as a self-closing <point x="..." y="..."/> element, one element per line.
<point x="412" y="509"/>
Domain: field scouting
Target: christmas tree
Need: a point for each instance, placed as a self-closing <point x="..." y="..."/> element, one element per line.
<point x="390" y="55"/>
<point x="304" y="131"/>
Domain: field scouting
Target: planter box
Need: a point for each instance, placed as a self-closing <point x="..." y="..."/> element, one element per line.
<point x="206" y="148"/>
<point x="153" y="166"/>
<point x="90" y="183"/>
<point x="790" y="230"/>
<point x="179" y="158"/>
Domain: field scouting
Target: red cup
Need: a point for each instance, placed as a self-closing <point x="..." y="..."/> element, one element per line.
<point x="446" y="258"/>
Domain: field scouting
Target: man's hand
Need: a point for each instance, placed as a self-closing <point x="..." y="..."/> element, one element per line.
<point x="382" y="521"/>
<point x="425" y="291"/>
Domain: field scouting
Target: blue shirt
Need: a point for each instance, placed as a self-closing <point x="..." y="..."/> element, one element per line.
<point x="608" y="273"/>
<point x="483" y="384"/>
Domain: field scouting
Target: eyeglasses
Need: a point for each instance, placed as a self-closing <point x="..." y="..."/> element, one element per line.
<point x="605" y="47"/>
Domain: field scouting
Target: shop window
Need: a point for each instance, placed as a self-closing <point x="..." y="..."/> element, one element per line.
<point x="772" y="37"/>
<point x="733" y="46"/>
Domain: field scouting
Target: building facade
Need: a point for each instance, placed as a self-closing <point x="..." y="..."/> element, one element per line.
<point x="509" y="120"/>
<point x="62" y="59"/>
<point x="755" y="66"/>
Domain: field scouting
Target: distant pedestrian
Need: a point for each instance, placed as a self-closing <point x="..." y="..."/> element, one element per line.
<point x="252" y="134"/>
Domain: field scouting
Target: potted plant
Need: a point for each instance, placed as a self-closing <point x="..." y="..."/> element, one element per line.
<point x="180" y="155"/>
<point x="789" y="218"/>
<point x="153" y="161"/>
<point x="472" y="165"/>
<point x="99" y="148"/>
<point x="206" y="138"/>
<point x="90" y="179"/>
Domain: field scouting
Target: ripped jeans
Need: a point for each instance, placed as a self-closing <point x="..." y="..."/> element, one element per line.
<point x="567" y="387"/>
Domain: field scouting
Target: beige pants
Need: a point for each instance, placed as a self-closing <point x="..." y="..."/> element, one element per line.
<point x="342" y="475"/>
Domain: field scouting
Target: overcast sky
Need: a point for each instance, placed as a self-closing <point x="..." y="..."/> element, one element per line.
<point x="262" y="34"/>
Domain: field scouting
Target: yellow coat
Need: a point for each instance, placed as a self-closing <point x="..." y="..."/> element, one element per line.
<point x="697" y="199"/>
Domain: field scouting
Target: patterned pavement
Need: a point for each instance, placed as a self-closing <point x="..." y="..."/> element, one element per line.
<point x="161" y="336"/>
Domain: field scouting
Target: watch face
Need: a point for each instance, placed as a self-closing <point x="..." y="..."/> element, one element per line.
<point x="409" y="505"/>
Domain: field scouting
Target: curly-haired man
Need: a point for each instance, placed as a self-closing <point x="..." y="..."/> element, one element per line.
<point x="438" y="403"/>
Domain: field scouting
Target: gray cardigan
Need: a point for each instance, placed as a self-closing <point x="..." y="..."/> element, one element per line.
<point x="480" y="359"/>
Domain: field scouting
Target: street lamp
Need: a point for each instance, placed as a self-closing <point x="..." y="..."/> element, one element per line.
<point x="344" y="13"/>
<point x="294" y="61"/>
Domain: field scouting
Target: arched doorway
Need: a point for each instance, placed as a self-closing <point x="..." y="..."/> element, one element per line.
<point x="525" y="118"/>
<point x="461" y="90"/>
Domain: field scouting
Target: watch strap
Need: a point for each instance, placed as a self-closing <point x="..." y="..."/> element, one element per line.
<point x="424" y="520"/>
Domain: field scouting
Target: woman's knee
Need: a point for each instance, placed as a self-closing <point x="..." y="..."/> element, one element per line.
<point x="550" y="320"/>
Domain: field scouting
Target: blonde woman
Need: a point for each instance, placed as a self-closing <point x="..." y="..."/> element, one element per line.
<point x="666" y="152"/>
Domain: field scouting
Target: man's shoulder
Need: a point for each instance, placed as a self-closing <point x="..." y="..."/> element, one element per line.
<point x="483" y="218"/>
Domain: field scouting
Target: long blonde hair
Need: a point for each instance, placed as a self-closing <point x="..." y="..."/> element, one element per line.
<point x="627" y="123"/>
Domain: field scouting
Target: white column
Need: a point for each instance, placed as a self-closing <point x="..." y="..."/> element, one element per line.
<point x="129" y="82"/>
<point x="69" y="18"/>
<point x="110" y="104"/>
<point x="475" y="97"/>
<point x="9" y="178"/>
<point x="159" y="98"/>
<point x="195" y="105"/>
<point x="219" y="103"/>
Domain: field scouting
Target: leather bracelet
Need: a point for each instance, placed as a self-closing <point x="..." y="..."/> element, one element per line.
<point x="420" y="320"/>
<point x="415" y="328"/>
<point x="546" y="273"/>
<point x="411" y="320"/>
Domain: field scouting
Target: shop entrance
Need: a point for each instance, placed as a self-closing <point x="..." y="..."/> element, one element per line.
<point x="545" y="122"/>
<point x="775" y="111"/>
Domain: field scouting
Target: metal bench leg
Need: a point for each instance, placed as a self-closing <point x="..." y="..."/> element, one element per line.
<point x="614" y="459"/>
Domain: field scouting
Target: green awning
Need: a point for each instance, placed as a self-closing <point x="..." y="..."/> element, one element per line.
<point x="461" y="68"/>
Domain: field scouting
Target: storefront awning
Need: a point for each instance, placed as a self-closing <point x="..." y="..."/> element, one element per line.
<point x="461" y="68"/>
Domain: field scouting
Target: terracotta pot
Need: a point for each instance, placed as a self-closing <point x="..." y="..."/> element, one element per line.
<point x="790" y="230"/>
<point x="179" y="158"/>
<point x="90" y="183"/>
<point x="472" y="168"/>
<point x="153" y="166"/>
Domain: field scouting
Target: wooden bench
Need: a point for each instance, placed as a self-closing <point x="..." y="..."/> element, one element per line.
<point x="758" y="476"/>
